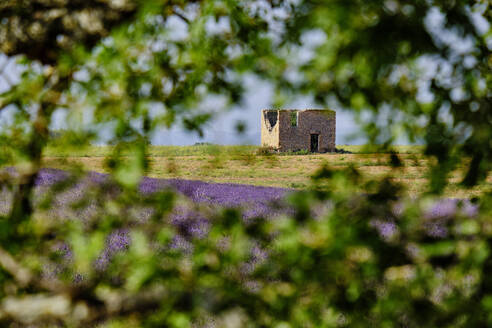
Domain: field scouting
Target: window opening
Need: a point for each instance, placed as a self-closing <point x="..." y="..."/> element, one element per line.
<point x="293" y="118"/>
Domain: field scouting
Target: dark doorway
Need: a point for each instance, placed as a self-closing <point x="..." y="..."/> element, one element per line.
<point x="314" y="143"/>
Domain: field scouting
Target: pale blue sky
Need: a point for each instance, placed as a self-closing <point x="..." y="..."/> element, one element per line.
<point x="221" y="130"/>
<point x="259" y="93"/>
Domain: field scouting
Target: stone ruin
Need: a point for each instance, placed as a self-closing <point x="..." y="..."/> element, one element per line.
<point x="295" y="130"/>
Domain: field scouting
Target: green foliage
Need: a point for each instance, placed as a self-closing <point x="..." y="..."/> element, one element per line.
<point x="265" y="151"/>
<point x="299" y="152"/>
<point x="374" y="57"/>
<point x="338" y="258"/>
<point x="293" y="118"/>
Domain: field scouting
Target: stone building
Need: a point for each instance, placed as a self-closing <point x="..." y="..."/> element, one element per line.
<point x="293" y="130"/>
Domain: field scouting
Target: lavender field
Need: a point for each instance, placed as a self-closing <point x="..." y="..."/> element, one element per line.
<point x="258" y="199"/>
<point x="75" y="196"/>
<point x="76" y="199"/>
<point x="92" y="199"/>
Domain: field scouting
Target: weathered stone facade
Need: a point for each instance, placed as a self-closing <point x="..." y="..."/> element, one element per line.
<point x="293" y="130"/>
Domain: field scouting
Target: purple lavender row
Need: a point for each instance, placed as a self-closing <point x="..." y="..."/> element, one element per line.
<point x="225" y="194"/>
<point x="253" y="199"/>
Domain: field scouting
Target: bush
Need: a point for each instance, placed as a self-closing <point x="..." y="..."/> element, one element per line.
<point x="265" y="151"/>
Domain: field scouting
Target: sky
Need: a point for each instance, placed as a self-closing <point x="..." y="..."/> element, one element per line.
<point x="259" y="94"/>
<point x="222" y="129"/>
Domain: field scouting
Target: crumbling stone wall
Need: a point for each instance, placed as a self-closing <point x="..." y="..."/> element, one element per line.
<point x="280" y="131"/>
<point x="270" y="129"/>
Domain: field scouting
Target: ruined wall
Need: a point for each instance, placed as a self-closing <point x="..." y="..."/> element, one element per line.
<point x="286" y="137"/>
<point x="269" y="128"/>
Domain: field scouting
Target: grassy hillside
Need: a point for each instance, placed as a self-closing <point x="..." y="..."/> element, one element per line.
<point x="242" y="164"/>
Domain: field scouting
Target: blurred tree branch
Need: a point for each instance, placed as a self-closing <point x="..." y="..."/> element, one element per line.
<point x="359" y="263"/>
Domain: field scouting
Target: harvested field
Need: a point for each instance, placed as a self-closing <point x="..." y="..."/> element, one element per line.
<point x="241" y="164"/>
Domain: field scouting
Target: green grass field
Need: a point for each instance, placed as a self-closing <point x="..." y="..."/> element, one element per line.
<point x="242" y="164"/>
<point x="198" y="150"/>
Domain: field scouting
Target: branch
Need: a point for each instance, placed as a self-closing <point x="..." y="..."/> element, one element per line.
<point x="20" y="274"/>
<point x="120" y="302"/>
<point x="39" y="308"/>
<point x="175" y="12"/>
<point x="35" y="308"/>
<point x="24" y="277"/>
